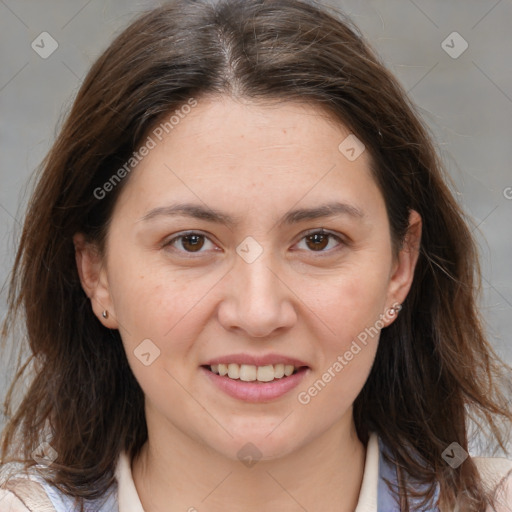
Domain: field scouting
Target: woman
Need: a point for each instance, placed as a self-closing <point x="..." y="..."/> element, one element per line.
<point x="247" y="286"/>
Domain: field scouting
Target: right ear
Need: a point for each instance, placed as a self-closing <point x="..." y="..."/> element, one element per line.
<point x="94" y="279"/>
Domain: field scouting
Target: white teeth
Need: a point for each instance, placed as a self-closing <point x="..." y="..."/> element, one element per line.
<point x="233" y="371"/>
<point x="265" y="373"/>
<point x="247" y="372"/>
<point x="278" y="371"/>
<point x="288" y="369"/>
<point x="251" y="373"/>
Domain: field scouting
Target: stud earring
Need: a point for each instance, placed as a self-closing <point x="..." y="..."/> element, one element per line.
<point x="104" y="314"/>
<point x="395" y="309"/>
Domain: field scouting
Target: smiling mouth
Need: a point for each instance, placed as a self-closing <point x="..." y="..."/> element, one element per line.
<point x="252" y="373"/>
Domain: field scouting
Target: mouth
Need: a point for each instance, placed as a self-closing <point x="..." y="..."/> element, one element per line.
<point x="254" y="384"/>
<point x="252" y="373"/>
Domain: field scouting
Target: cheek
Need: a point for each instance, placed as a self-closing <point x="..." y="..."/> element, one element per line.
<point x="352" y="300"/>
<point x="151" y="299"/>
<point x="351" y="309"/>
<point x="157" y="324"/>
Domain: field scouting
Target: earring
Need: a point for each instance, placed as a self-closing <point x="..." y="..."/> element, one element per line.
<point x="395" y="309"/>
<point x="104" y="314"/>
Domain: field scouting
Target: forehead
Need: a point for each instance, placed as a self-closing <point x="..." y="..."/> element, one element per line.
<point x="225" y="128"/>
<point x="246" y="152"/>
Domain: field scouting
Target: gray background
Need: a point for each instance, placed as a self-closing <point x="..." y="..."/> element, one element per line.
<point x="466" y="101"/>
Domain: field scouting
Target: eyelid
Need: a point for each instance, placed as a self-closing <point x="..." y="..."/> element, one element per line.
<point x="342" y="241"/>
<point x="182" y="234"/>
<point x="321" y="231"/>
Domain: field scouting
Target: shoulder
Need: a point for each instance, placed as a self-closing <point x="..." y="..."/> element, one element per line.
<point x="8" y="501"/>
<point x="496" y="473"/>
<point x="30" y="493"/>
<point x="22" y="494"/>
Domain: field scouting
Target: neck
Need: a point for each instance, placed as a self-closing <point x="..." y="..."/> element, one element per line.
<point x="175" y="473"/>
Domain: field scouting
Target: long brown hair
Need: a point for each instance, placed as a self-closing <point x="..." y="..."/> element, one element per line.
<point x="434" y="368"/>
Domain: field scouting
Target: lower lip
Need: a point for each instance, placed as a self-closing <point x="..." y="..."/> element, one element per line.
<point x="256" y="391"/>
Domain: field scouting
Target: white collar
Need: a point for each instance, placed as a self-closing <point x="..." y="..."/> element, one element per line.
<point x="129" y="500"/>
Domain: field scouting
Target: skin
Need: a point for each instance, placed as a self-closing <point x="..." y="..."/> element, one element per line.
<point x="255" y="162"/>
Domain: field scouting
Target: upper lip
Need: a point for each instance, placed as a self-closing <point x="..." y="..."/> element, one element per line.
<point x="263" y="360"/>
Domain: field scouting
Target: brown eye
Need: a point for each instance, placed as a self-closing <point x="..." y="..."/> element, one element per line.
<point x="191" y="242"/>
<point x="318" y="241"/>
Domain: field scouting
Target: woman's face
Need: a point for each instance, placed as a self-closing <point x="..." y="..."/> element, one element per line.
<point x="258" y="288"/>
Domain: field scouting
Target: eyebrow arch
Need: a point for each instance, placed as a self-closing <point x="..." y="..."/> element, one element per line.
<point x="211" y="215"/>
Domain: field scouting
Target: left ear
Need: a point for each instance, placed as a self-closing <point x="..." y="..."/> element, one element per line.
<point x="403" y="268"/>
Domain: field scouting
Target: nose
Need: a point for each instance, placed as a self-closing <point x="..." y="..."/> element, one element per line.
<point x="257" y="300"/>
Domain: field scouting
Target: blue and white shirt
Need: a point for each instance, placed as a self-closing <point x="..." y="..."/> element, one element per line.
<point x="374" y="495"/>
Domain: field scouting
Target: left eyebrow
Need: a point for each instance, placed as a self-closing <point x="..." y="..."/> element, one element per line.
<point x="198" y="211"/>
<point x="324" y="210"/>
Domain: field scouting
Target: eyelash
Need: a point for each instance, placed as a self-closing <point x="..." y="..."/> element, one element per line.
<point x="308" y="233"/>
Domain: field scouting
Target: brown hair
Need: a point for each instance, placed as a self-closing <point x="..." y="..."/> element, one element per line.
<point x="434" y="368"/>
